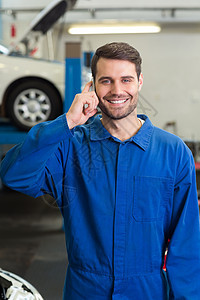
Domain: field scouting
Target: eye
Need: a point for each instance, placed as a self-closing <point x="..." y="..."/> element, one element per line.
<point x="106" y="81"/>
<point x="126" y="80"/>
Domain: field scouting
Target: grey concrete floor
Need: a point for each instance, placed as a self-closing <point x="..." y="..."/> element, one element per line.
<point x="32" y="242"/>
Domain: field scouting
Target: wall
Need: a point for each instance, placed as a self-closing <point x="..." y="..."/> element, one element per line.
<point x="171" y="68"/>
<point x="0" y="24"/>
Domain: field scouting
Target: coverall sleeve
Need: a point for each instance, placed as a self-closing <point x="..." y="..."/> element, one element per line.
<point x="35" y="167"/>
<point x="183" y="259"/>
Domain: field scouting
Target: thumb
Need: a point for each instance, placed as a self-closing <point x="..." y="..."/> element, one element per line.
<point x="87" y="87"/>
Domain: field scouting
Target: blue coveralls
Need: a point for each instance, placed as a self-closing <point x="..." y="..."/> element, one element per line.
<point x="121" y="203"/>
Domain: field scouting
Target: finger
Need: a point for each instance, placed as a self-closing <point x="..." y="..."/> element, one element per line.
<point x="90" y="105"/>
<point x="90" y="113"/>
<point x="90" y="99"/>
<point x="97" y="101"/>
<point x="89" y="109"/>
<point x="87" y="87"/>
<point x="93" y="94"/>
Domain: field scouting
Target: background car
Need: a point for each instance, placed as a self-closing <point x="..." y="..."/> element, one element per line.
<point x="32" y="90"/>
<point x="13" y="287"/>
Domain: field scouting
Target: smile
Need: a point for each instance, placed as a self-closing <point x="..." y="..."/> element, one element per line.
<point x="117" y="101"/>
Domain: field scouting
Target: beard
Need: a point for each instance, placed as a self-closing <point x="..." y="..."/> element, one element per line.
<point x="119" y="113"/>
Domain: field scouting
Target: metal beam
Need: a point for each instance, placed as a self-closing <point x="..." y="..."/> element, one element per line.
<point x="11" y="11"/>
<point x="102" y="9"/>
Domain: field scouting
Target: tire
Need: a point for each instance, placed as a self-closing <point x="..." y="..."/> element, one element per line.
<point x="32" y="102"/>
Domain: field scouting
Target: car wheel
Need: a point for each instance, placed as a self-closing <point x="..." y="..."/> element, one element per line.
<point x="32" y="102"/>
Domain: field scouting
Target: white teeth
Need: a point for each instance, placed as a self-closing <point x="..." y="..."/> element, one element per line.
<point x="118" y="101"/>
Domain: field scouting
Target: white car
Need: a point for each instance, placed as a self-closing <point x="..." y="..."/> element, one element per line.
<point x="13" y="287"/>
<point x="32" y="90"/>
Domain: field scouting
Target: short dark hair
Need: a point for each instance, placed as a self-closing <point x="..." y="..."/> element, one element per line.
<point x="121" y="51"/>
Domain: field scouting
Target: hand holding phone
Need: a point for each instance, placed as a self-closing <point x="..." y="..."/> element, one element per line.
<point x="83" y="106"/>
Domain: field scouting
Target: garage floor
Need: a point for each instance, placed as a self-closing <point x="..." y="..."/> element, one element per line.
<point x="32" y="242"/>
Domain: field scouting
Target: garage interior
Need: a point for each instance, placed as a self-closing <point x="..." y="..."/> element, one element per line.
<point x="32" y="236"/>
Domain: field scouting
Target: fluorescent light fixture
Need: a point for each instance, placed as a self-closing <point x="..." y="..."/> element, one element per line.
<point x="113" y="29"/>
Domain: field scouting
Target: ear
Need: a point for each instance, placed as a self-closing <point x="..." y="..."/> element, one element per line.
<point x="140" y="83"/>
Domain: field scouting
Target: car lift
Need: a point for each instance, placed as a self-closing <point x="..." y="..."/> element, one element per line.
<point x="9" y="135"/>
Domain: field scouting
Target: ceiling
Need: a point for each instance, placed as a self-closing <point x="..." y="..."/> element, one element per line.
<point x="104" y="3"/>
<point x="133" y="3"/>
<point x="162" y="11"/>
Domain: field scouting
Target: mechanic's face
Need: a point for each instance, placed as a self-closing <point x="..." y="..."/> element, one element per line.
<point x="117" y="87"/>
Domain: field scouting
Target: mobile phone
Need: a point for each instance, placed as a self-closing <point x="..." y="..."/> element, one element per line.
<point x="93" y="85"/>
<point x="93" y="89"/>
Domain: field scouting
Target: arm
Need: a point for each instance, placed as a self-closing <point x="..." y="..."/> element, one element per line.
<point x="36" y="166"/>
<point x="183" y="259"/>
<point x="27" y="166"/>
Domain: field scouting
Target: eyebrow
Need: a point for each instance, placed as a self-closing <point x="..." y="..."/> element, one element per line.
<point x="104" y="77"/>
<point x="110" y="78"/>
<point x="128" y="76"/>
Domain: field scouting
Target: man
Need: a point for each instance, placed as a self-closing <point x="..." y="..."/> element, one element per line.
<point x="124" y="187"/>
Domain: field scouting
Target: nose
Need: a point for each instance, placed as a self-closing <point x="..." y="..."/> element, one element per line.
<point x="116" y="88"/>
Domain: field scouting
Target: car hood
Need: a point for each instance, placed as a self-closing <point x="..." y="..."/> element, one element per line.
<point x="45" y="19"/>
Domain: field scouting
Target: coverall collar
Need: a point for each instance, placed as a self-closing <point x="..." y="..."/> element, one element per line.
<point x="141" y="138"/>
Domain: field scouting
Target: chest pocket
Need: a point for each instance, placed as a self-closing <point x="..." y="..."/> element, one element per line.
<point x="150" y="197"/>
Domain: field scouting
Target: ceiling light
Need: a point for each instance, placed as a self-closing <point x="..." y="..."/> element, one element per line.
<point x="113" y="29"/>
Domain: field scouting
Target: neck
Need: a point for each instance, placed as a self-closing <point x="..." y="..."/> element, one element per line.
<point x="123" y="129"/>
